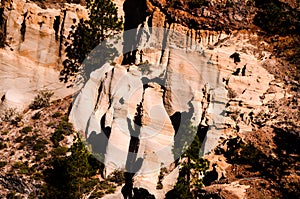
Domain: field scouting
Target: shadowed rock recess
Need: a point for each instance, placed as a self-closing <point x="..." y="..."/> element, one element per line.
<point x="212" y="64"/>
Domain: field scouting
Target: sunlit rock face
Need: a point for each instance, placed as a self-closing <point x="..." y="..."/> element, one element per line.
<point x="32" y="58"/>
<point x="34" y="33"/>
<point x="191" y="77"/>
<point x="132" y="111"/>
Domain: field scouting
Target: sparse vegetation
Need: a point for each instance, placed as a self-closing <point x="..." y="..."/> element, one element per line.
<point x="26" y="129"/>
<point x="64" y="128"/>
<point x="42" y="99"/>
<point x="117" y="177"/>
<point x="11" y="115"/>
<point x="3" y="164"/>
<point x="160" y="178"/>
<point x="36" y="116"/>
<point x="3" y="145"/>
<point x="56" y="114"/>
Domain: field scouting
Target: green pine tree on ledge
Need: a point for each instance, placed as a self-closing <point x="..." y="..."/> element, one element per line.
<point x="81" y="59"/>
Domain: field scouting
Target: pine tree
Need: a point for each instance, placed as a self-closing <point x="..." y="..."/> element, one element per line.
<point x="192" y="167"/>
<point x="81" y="60"/>
<point x="69" y="177"/>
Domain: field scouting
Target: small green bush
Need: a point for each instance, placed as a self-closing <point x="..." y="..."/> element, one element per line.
<point x="23" y="171"/>
<point x="117" y="177"/>
<point x="42" y="99"/>
<point x="50" y="124"/>
<point x="40" y="145"/>
<point x="56" y="114"/>
<point x="59" y="151"/>
<point x="40" y="156"/>
<point x="159" y="185"/>
<point x="17" y="165"/>
<point x="19" y="139"/>
<point x="2" y="145"/>
<point x="3" y="164"/>
<point x="56" y="137"/>
<point x="36" y="116"/>
<point x="26" y="129"/>
<point x="98" y="194"/>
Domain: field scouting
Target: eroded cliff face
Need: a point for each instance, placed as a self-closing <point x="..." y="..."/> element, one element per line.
<point x="34" y="49"/>
<point x="216" y="79"/>
<point x="206" y="66"/>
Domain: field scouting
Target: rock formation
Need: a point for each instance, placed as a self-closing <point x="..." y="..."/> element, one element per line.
<point x="183" y="69"/>
<point x="34" y="49"/>
<point x="208" y="66"/>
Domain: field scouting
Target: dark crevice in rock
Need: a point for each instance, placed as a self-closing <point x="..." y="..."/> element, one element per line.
<point x="244" y="70"/>
<point x="109" y="88"/>
<point x="175" y="120"/>
<point x="23" y="27"/>
<point x="210" y="176"/>
<point x="236" y="57"/>
<point x="56" y="24"/>
<point x="165" y="90"/>
<point x="202" y="132"/>
<point x="164" y="41"/>
<point x="100" y="88"/>
<point x="236" y="72"/>
<point x="3" y="23"/>
<point x="135" y="14"/>
<point x="61" y="39"/>
<point x="99" y="94"/>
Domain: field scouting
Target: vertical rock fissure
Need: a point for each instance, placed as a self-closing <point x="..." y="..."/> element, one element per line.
<point x="61" y="38"/>
<point x="109" y="89"/>
<point x="56" y="26"/>
<point x="23" y="27"/>
<point x="165" y="40"/>
<point x="98" y="96"/>
<point x="3" y="23"/>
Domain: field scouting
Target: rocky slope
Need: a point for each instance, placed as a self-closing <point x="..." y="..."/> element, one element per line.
<point x="216" y="65"/>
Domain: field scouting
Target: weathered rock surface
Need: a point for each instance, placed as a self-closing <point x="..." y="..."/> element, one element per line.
<point x="182" y="83"/>
<point x="192" y="69"/>
<point x="34" y="50"/>
<point x="203" y="66"/>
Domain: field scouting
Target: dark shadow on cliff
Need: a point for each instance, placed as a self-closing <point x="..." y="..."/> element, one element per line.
<point x="133" y="164"/>
<point x="135" y="14"/>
